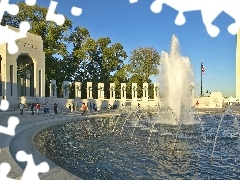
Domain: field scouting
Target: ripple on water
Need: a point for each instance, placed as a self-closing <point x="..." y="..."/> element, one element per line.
<point x="90" y="149"/>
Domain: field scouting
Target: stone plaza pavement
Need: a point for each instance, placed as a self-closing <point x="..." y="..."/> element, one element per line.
<point x="23" y="140"/>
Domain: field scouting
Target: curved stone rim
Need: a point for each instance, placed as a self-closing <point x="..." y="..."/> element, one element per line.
<point x="55" y="172"/>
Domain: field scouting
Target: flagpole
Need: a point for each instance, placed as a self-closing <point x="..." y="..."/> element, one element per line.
<point x="201" y="79"/>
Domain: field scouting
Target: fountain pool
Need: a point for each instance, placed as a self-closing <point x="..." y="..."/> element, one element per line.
<point x="134" y="146"/>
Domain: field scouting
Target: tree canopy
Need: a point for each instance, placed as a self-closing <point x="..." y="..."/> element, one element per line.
<point x="95" y="60"/>
<point x="144" y="62"/>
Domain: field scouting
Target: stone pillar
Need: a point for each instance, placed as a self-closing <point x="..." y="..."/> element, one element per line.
<point x="145" y="92"/>
<point x="53" y="89"/>
<point x="89" y="90"/>
<point x="156" y="92"/>
<point x="100" y="90"/>
<point x="23" y="83"/>
<point x="134" y="91"/>
<point x="37" y="87"/>
<point x="4" y="78"/>
<point x="15" y="80"/>
<point x="112" y="90"/>
<point x="78" y="92"/>
<point x="39" y="79"/>
<point x="66" y="89"/>
<point x="123" y="91"/>
<point x="28" y="83"/>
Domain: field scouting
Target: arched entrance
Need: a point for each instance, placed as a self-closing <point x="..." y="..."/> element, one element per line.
<point x="22" y="75"/>
<point x="25" y="76"/>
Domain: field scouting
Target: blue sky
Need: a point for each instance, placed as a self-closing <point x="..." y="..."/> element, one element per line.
<point x="135" y="25"/>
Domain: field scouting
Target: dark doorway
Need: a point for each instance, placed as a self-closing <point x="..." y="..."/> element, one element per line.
<point x="25" y="75"/>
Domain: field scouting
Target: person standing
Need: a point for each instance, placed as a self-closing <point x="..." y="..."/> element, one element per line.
<point x="90" y="107"/>
<point x="21" y="107"/>
<point x="44" y="109"/>
<point x="55" y="107"/>
<point x="47" y="108"/>
<point x="197" y="103"/>
<point x="38" y="108"/>
<point x="32" y="109"/>
<point x="84" y="108"/>
<point x="69" y="106"/>
<point x="73" y="107"/>
<point x="94" y="107"/>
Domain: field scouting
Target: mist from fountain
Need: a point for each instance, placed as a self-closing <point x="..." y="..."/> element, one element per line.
<point x="175" y="77"/>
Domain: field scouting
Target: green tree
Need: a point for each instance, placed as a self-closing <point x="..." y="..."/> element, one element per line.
<point x="76" y="59"/>
<point x="144" y="62"/>
<point x="99" y="59"/>
<point x="111" y="61"/>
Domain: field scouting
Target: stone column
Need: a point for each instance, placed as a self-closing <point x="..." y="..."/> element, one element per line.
<point x="39" y="69"/>
<point x="66" y="89"/>
<point x="28" y="83"/>
<point x="156" y="92"/>
<point x="78" y="92"/>
<point x="15" y="80"/>
<point x="112" y="90"/>
<point x="4" y="78"/>
<point x="89" y="90"/>
<point x="145" y="92"/>
<point x="18" y="85"/>
<point x="23" y="83"/>
<point x="53" y="89"/>
<point x="123" y="91"/>
<point x="36" y="90"/>
<point x="134" y="91"/>
<point x="100" y="90"/>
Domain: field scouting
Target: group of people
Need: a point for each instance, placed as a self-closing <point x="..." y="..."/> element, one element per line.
<point x="46" y="108"/>
<point x="92" y="107"/>
<point x="114" y="106"/>
<point x="38" y="106"/>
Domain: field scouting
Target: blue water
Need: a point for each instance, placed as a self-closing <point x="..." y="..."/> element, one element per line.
<point x="90" y="150"/>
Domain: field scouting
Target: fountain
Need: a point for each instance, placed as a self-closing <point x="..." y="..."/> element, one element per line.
<point x="175" y="77"/>
<point x="170" y="142"/>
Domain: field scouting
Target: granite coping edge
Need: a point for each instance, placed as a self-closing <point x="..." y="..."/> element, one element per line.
<point x="51" y="174"/>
